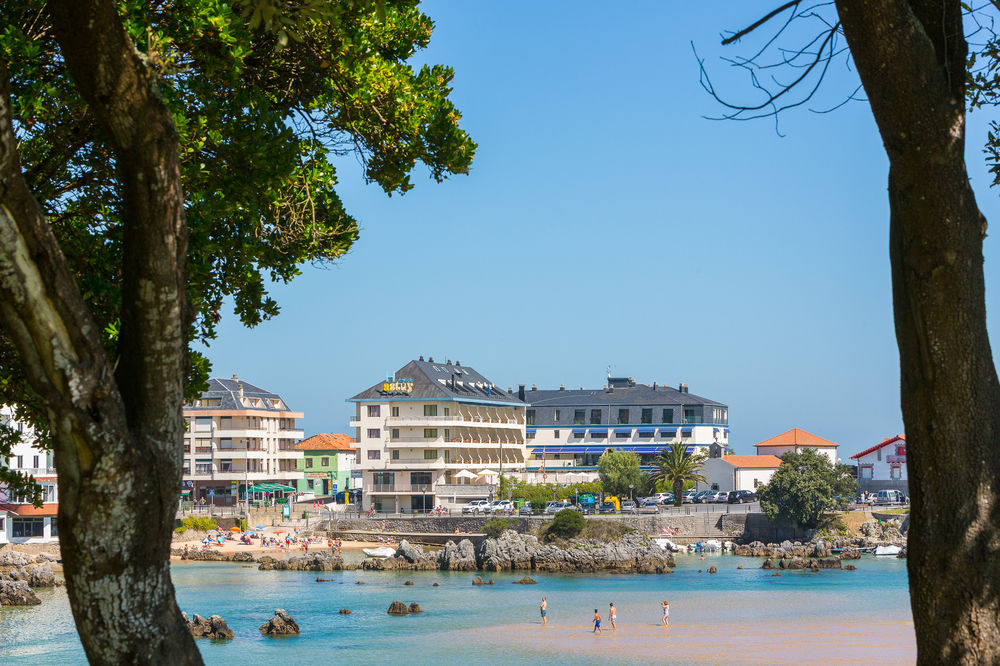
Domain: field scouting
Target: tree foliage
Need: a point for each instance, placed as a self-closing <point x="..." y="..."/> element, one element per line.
<point x="567" y="523"/>
<point x="806" y="486"/>
<point x="618" y="470"/>
<point x="677" y="468"/>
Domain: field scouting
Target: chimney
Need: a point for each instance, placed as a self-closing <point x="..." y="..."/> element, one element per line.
<point x="654" y="386"/>
<point x="534" y="387"/>
<point x="447" y="361"/>
<point x="235" y="378"/>
<point x="683" y="388"/>
<point x="510" y="389"/>
<point x="458" y="363"/>
<point x="430" y="359"/>
<point x="562" y="387"/>
<point x="421" y="358"/>
<point x="520" y="392"/>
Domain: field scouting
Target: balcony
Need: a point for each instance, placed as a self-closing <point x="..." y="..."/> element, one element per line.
<point x="354" y="423"/>
<point x="463" y="489"/>
<point x="382" y="487"/>
<point x="37" y="471"/>
<point x="456" y="421"/>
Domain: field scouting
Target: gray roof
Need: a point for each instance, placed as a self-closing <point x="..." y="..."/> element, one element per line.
<point x="638" y="394"/>
<point x="228" y="391"/>
<point x="441" y="381"/>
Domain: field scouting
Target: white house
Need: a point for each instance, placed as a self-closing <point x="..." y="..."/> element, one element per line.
<point x="797" y="440"/>
<point x="738" y="472"/>
<point x="20" y="520"/>
<point x="883" y="466"/>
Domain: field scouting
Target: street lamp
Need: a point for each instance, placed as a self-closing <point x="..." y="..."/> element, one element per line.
<point x="630" y="487"/>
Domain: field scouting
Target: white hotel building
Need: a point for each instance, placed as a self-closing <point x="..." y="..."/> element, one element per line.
<point x="20" y="520"/>
<point x="436" y="434"/>
<point x="239" y="434"/>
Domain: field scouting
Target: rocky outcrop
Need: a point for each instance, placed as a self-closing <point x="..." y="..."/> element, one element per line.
<point x="212" y="627"/>
<point x="415" y="608"/>
<point x="40" y="575"/>
<point x="847" y="548"/>
<point x="633" y="553"/>
<point x="458" y="557"/>
<point x="712" y="570"/>
<point x="17" y="593"/>
<point x="479" y="581"/>
<point x="320" y="560"/>
<point x="210" y="555"/>
<point x="13" y="558"/>
<point x="345" y="611"/>
<point x="280" y="625"/>
<point x="799" y="563"/>
<point x="407" y="558"/>
<point x="526" y="581"/>
<point x="397" y="608"/>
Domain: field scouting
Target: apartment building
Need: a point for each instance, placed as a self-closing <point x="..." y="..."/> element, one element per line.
<point x="327" y="463"/>
<point x="436" y="434"/>
<point x="20" y="520"/>
<point x="568" y="430"/>
<point x="239" y="435"/>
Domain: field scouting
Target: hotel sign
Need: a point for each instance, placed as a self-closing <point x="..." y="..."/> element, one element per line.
<point x="398" y="386"/>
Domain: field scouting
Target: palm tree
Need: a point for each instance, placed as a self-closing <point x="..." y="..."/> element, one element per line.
<point x="675" y="466"/>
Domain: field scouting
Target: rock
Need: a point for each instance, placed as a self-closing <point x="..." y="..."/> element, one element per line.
<point x="42" y="558"/>
<point x="319" y="560"/>
<point x="209" y="555"/>
<point x="397" y="608"/>
<point x="279" y="625"/>
<point x="345" y="611"/>
<point x="360" y="582"/>
<point x="478" y="581"/>
<point x="436" y="585"/>
<point x="490" y="582"/>
<point x="40" y="575"/>
<point x="415" y="608"/>
<point x="13" y="558"/>
<point x="795" y="564"/>
<point x="768" y="564"/>
<point x="828" y="563"/>
<point x="633" y="553"/>
<point x="17" y="593"/>
<point x="323" y="580"/>
<point x="775" y="574"/>
<point x="526" y="581"/>
<point x="409" y="582"/>
<point x="700" y="571"/>
<point x="460" y="557"/>
<point x="740" y="567"/>
<point x="213" y="627"/>
<point x="852" y="554"/>
<point x="849" y="567"/>
<point x="712" y="570"/>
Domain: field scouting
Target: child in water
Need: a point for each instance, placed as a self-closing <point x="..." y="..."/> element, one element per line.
<point x="597" y="622"/>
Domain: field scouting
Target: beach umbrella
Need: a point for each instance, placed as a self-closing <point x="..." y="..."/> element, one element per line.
<point x="235" y="529"/>
<point x="465" y="474"/>
<point x="489" y="472"/>
<point x="280" y="531"/>
<point x="259" y="527"/>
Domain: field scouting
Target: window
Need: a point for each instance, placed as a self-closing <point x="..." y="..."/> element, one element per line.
<point x="530" y="435"/>
<point x="225" y="465"/>
<point x="311" y="483"/>
<point x="325" y="462"/>
<point x="447" y="435"/>
<point x="203" y="467"/>
<point x="383" y="478"/>
<point x="446" y="411"/>
<point x="374" y="454"/>
<point x="579" y="417"/>
<point x="447" y="455"/>
<point x="647" y="415"/>
<point x="417" y="478"/>
<point x="623" y="435"/>
<point x="595" y="417"/>
<point x="430" y="410"/>
<point x="430" y="454"/>
<point x="203" y="423"/>
<point x="34" y="462"/>
<point x="529" y="417"/>
<point x="225" y="443"/>
<point x="689" y="416"/>
<point x="879" y="453"/>
<point x="27" y="527"/>
<point x="555" y="434"/>
<point x="558" y="413"/>
<point x="20" y="462"/>
<point x="866" y="472"/>
<point x="430" y="433"/>
<point x="374" y="433"/>
<point x="894" y="473"/>
<point x="395" y="433"/>
<point x="395" y="411"/>
<point x="309" y="463"/>
<point x="622" y="416"/>
<point x="374" y="410"/>
<point x="395" y="454"/>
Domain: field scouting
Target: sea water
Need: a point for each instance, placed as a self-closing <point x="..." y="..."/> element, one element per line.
<point x="734" y="616"/>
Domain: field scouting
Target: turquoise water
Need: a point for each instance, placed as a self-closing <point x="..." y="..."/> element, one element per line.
<point x="733" y="616"/>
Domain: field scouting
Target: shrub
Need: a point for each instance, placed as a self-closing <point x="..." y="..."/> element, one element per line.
<point x="567" y="523"/>
<point x="201" y="524"/>
<point x="494" y="528"/>
<point x="538" y="505"/>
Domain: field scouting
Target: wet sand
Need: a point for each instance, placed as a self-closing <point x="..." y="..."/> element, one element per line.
<point x="806" y="642"/>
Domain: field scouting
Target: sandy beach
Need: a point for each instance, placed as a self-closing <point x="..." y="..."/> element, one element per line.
<point x="295" y="549"/>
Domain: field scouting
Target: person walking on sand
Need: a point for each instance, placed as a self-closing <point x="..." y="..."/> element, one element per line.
<point x="597" y="622"/>
<point x="613" y="615"/>
<point x="542" y="608"/>
<point x="666" y="613"/>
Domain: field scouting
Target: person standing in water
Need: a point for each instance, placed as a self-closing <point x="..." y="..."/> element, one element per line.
<point x="666" y="613"/>
<point x="597" y="622"/>
<point x="613" y="615"/>
<point x="544" y="605"/>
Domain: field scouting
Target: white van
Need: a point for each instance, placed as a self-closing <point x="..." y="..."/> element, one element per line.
<point x="890" y="497"/>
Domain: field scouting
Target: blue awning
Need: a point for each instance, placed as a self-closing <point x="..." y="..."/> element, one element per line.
<point x="579" y="433"/>
<point x="690" y="449"/>
<point x="623" y="431"/>
<point x="646" y="433"/>
<point x="598" y="432"/>
<point x="716" y="429"/>
<point x="668" y="432"/>
<point x="685" y="431"/>
<point x="726" y="431"/>
<point x="531" y="431"/>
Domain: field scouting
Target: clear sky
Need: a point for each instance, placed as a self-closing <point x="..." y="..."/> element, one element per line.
<point x="606" y="221"/>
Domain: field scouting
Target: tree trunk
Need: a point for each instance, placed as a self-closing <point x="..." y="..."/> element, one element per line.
<point x="911" y="59"/>
<point x="117" y="439"/>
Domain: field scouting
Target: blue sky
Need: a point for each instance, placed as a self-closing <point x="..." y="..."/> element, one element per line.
<point x="606" y="221"/>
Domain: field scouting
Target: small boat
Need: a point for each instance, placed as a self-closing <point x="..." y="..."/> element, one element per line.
<point x="381" y="551"/>
<point x="887" y="550"/>
<point x="668" y="545"/>
<point x="711" y="545"/>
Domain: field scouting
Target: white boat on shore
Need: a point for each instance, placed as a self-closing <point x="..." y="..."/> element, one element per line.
<point x="668" y="545"/>
<point x="888" y="550"/>
<point x="381" y="551"/>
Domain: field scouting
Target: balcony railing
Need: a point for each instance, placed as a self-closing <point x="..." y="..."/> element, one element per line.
<point x="383" y="487"/>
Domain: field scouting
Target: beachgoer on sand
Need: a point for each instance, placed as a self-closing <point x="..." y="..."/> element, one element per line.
<point x="544" y="605"/>
<point x="666" y="613"/>
<point x="613" y="615"/>
<point x="597" y="622"/>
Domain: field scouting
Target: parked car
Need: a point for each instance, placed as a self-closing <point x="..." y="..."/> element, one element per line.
<point x="557" y="505"/>
<point x="608" y="507"/>
<point x="650" y="507"/>
<point x="502" y="506"/>
<point x="476" y="506"/>
<point x="716" y="497"/>
<point x="628" y="506"/>
<point x="741" y="496"/>
<point x="525" y="510"/>
<point x="666" y="498"/>
<point x="688" y="496"/>
<point x="700" y="497"/>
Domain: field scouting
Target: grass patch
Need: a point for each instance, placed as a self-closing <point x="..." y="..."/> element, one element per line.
<point x="895" y="511"/>
<point x="599" y="530"/>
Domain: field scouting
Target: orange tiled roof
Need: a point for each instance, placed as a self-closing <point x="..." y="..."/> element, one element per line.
<point x="796" y="437"/>
<point x="327" y="441"/>
<point x="753" y="462"/>
<point x="30" y="510"/>
<point x="884" y="442"/>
